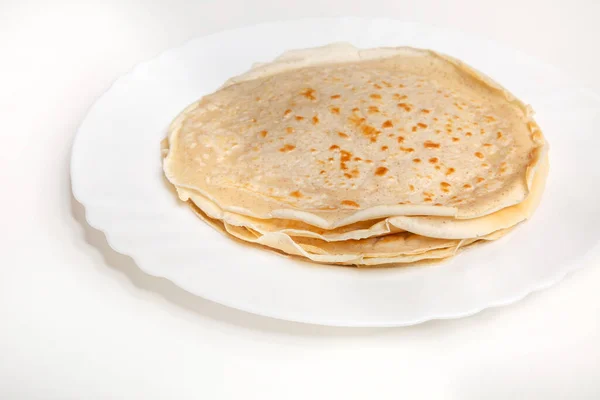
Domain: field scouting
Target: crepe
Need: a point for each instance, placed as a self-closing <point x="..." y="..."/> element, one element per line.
<point x="435" y="227"/>
<point x="374" y="134"/>
<point x="359" y="157"/>
<point x="400" y="248"/>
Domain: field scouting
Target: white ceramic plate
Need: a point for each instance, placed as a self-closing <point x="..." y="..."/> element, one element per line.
<point x="116" y="175"/>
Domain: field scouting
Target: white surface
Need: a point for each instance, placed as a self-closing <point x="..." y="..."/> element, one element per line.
<point x="80" y="321"/>
<point x="116" y="174"/>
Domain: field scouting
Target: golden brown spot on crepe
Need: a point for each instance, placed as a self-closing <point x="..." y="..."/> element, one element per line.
<point x="322" y="172"/>
<point x="381" y="171"/>
<point x="438" y="167"/>
<point x="397" y="96"/>
<point x="425" y="111"/>
<point x="356" y="120"/>
<point x="334" y="110"/>
<point x="257" y="98"/>
<point x="289" y="129"/>
<point x="287" y="112"/>
<point x="369" y="161"/>
<point x="378" y="86"/>
<point x="445" y="186"/>
<point x="485" y="165"/>
<point x="384" y="148"/>
<point x="355" y="109"/>
<point x="427" y="199"/>
<point x="296" y="194"/>
<point x="431" y="145"/>
<point x="478" y="154"/>
<point x="405" y="106"/>
<point x="263" y="133"/>
<point x="414" y="129"/>
<point x="387" y="124"/>
<point x="468" y="134"/>
<point x="343" y="135"/>
<point x="375" y="96"/>
<point x="334" y="147"/>
<point x="309" y="93"/>
<point x="330" y="159"/>
<point x="422" y="125"/>
<point x="416" y="160"/>
<point x="401" y="86"/>
<point x="336" y="96"/>
<point x="450" y="171"/>
<point x="373" y="109"/>
<point x="455" y="139"/>
<point x="350" y="203"/>
<point x="313" y="150"/>
<point x="287" y="148"/>
<point x="370" y="132"/>
<point x="434" y="160"/>
<point x="299" y="117"/>
<point x="407" y="149"/>
<point x="487" y="145"/>
<point x="345" y="156"/>
<point x="467" y="186"/>
<point x="400" y="139"/>
<point x="479" y="179"/>
<point x="499" y="135"/>
<point x="357" y="159"/>
<point x="489" y="118"/>
<point x="386" y="84"/>
<point x="411" y="188"/>
<point x="346" y="175"/>
<point x="315" y="120"/>
<point x="367" y="130"/>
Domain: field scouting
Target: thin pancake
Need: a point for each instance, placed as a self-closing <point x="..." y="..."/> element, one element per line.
<point x="378" y="133"/>
<point x="399" y="248"/>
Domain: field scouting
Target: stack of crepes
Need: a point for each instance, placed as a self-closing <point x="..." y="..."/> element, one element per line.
<point x="359" y="157"/>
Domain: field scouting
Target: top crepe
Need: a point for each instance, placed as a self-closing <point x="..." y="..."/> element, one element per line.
<point x="335" y="135"/>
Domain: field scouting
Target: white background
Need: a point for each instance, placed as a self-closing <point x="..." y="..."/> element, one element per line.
<point x="78" y="320"/>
